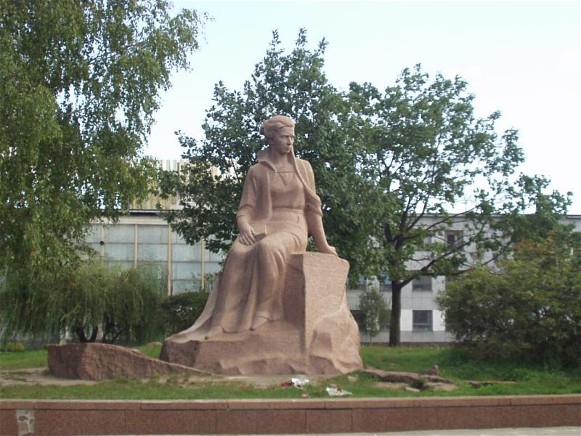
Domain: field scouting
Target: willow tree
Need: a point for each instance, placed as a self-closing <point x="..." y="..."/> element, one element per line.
<point x="79" y="87"/>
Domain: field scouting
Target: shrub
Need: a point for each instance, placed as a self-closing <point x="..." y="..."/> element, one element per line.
<point x="529" y="308"/>
<point x="122" y="304"/>
<point x="134" y="299"/>
<point x="178" y="312"/>
<point x="375" y="311"/>
<point x="13" y="347"/>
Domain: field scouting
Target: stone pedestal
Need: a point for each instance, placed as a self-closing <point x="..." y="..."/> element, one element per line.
<point x="317" y="336"/>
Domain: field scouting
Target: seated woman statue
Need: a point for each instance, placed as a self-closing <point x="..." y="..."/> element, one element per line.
<point x="279" y="208"/>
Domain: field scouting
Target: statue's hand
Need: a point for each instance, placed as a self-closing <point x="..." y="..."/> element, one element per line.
<point x="327" y="249"/>
<point x="247" y="235"/>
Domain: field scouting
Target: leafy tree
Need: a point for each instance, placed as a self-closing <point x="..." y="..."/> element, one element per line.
<point x="437" y="178"/>
<point x="79" y="86"/>
<point x="282" y="83"/>
<point x="549" y="210"/>
<point x="122" y="304"/>
<point x="529" y="307"/>
<point x="375" y="310"/>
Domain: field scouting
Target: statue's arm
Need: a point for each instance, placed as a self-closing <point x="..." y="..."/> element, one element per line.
<point x="247" y="235"/>
<point x="314" y="217"/>
<point x="315" y="224"/>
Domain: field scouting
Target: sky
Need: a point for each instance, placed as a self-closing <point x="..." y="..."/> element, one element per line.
<point x="522" y="58"/>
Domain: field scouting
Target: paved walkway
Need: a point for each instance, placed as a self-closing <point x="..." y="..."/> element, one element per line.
<point x="545" y="431"/>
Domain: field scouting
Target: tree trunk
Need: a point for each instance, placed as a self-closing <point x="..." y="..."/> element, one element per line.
<point x="83" y="337"/>
<point x="80" y="332"/>
<point x="394" y="322"/>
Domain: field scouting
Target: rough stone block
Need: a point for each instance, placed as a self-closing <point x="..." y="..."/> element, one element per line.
<point x="95" y="361"/>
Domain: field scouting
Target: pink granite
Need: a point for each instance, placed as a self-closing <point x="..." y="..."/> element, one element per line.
<point x="293" y="416"/>
<point x="318" y="334"/>
<point x="95" y="361"/>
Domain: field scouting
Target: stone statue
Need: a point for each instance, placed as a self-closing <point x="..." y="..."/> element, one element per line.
<point x="251" y="302"/>
<point x="278" y="209"/>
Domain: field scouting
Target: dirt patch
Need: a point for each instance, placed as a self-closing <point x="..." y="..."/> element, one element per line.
<point x="42" y="376"/>
<point x="37" y="376"/>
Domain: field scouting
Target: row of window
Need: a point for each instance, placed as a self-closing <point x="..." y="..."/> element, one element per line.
<point x="422" y="283"/>
<point x="422" y="320"/>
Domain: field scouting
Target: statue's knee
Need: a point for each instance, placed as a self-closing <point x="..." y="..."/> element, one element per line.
<point x="265" y="248"/>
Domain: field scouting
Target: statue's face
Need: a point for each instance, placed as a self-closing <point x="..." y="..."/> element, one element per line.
<point x="282" y="141"/>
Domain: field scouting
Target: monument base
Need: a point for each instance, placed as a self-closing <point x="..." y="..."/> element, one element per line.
<point x="318" y="335"/>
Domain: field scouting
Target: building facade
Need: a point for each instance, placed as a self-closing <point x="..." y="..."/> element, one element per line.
<point x="143" y="237"/>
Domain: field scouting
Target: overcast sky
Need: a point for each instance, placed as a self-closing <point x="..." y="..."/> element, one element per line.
<point x="522" y="58"/>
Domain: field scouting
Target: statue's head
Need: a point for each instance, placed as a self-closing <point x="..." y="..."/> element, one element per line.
<point x="274" y="124"/>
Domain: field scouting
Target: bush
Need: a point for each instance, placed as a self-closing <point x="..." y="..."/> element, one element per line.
<point x="134" y="299"/>
<point x="178" y="312"/>
<point x="375" y="311"/>
<point x="13" y="347"/>
<point x="530" y="308"/>
<point x="91" y="298"/>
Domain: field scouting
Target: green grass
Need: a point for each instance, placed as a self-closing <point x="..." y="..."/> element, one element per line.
<point x="22" y="360"/>
<point x="517" y="379"/>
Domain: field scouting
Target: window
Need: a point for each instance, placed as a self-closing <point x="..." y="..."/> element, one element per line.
<point x="454" y="238"/>
<point x="422" y="321"/>
<point x="422" y="283"/>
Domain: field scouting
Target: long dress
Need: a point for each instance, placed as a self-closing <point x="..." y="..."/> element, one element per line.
<point x="251" y="283"/>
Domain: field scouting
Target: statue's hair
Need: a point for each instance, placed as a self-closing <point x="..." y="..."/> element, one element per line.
<point x="275" y="123"/>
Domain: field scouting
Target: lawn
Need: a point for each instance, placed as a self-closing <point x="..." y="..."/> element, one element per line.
<point x="508" y="377"/>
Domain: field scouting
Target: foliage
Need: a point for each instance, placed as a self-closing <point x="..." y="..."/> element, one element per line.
<point x="546" y="218"/>
<point x="134" y="300"/>
<point x="79" y="86"/>
<point x="13" y="347"/>
<point x="121" y="302"/>
<point x="455" y="364"/>
<point x="528" y="308"/>
<point x="375" y="310"/>
<point x="178" y="312"/>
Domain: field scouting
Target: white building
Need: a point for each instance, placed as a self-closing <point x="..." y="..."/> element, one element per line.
<point x="146" y="238"/>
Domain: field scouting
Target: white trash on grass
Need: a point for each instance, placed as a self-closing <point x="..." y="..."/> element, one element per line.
<point x="300" y="382"/>
<point x="335" y="391"/>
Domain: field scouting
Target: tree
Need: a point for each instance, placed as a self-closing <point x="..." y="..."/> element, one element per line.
<point x="79" y="86"/>
<point x="282" y="83"/>
<point x="527" y="307"/>
<point x="119" y="303"/>
<point x="438" y="179"/>
<point x="375" y="309"/>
